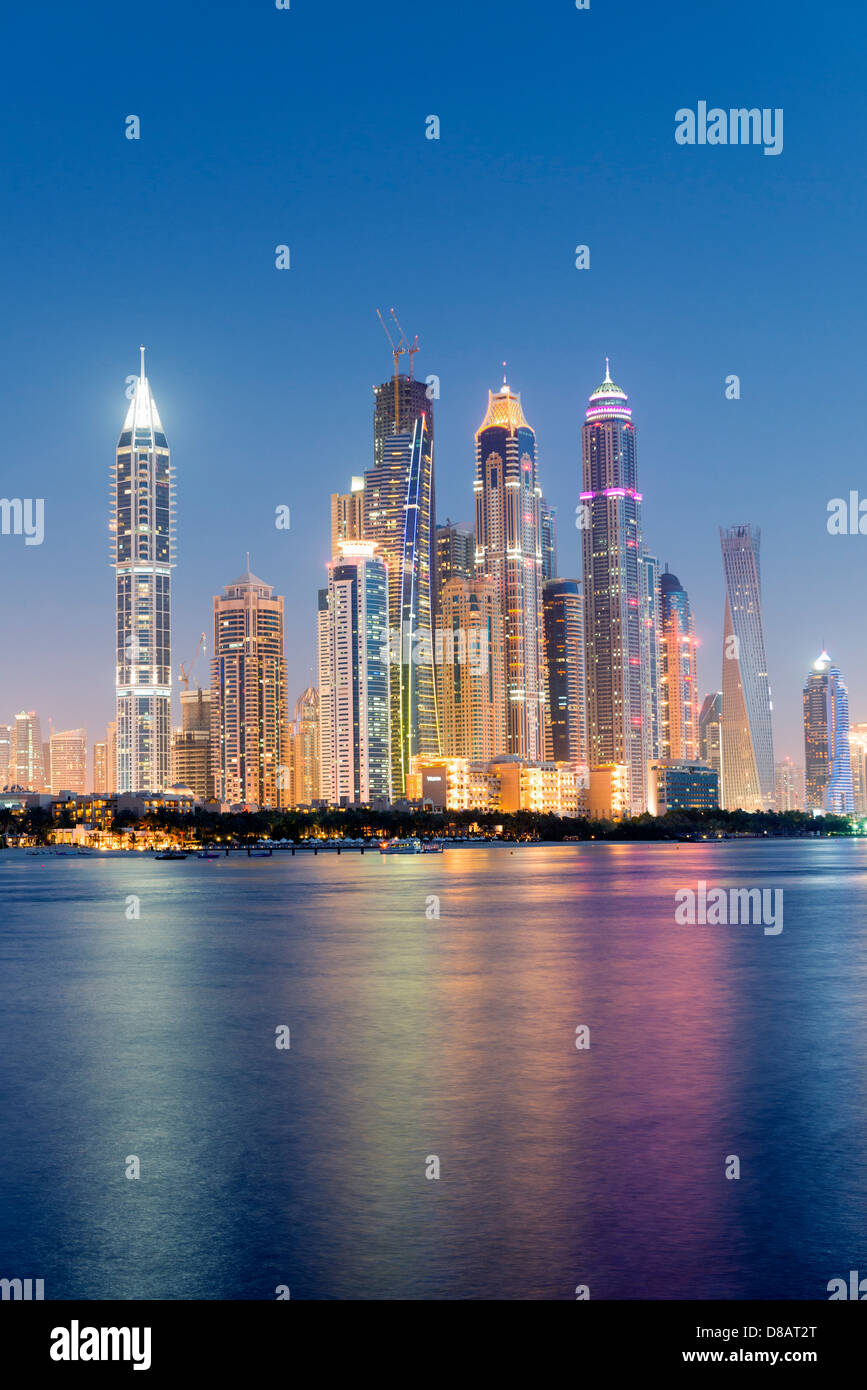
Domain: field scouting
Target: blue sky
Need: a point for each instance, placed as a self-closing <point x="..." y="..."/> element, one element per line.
<point x="306" y="127"/>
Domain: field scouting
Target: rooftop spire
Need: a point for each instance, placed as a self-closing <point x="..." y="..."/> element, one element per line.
<point x="142" y="351"/>
<point x="607" y="373"/>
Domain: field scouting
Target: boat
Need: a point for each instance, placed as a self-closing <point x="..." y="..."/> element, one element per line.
<point x="209" y="854"/>
<point x="171" y="854"/>
<point x="432" y="847"/>
<point x="406" y="845"/>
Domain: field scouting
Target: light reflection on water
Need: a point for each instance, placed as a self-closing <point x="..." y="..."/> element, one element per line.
<point x="413" y="1037"/>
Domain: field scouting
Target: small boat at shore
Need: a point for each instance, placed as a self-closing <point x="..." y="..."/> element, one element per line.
<point x="406" y="845"/>
<point x="209" y="854"/>
<point x="171" y="854"/>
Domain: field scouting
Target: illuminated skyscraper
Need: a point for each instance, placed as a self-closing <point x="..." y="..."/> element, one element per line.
<point x="747" y="741"/>
<point x="397" y="507"/>
<point x="789" y="786"/>
<point x="68" y="761"/>
<point x="509" y="555"/>
<point x="858" y="760"/>
<point x="248" y="694"/>
<point x="143" y="556"/>
<point x="613" y="587"/>
<point x="192" y="753"/>
<point x="469" y="666"/>
<point x="346" y="515"/>
<point x="100" y="767"/>
<point x="355" y="656"/>
<point x="678" y="692"/>
<point x="5" y="752"/>
<point x="564" y="649"/>
<point x="455" y="550"/>
<point x="826" y="739"/>
<point x="305" y="748"/>
<point x="651" y="636"/>
<point x="548" y="526"/>
<point x="27" y="764"/>
<point x="709" y="730"/>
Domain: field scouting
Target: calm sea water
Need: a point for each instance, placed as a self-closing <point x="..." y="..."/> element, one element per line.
<point x="413" y="1037"/>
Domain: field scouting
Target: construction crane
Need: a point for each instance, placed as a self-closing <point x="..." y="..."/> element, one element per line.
<point x="184" y="676"/>
<point x="396" y="352"/>
<point x="411" y="348"/>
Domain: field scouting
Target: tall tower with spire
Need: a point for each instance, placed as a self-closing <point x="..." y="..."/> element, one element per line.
<point x="614" y="643"/>
<point x="143" y="555"/>
<point x="509" y="555"/>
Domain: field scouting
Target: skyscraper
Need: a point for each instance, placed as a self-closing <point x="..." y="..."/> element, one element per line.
<point x="564" y="650"/>
<point x="27" y="765"/>
<point x="305" y="748"/>
<point x="192" y="754"/>
<point x="68" y="761"/>
<point x="100" y="767"/>
<point x="651" y="635"/>
<point x="455" y="551"/>
<point x="397" y="515"/>
<point x="509" y="555"/>
<point x="5" y="752"/>
<point x="826" y="739"/>
<point x="347" y="517"/>
<point x="548" y="530"/>
<point x="613" y="586"/>
<point x="709" y="730"/>
<point x="678" y="692"/>
<point x="747" y="741"/>
<point x="789" y="786"/>
<point x="858" y="760"/>
<point x="326" y="732"/>
<point x="248" y="694"/>
<point x="143" y="557"/>
<point x="469" y="666"/>
<point x="358" y="722"/>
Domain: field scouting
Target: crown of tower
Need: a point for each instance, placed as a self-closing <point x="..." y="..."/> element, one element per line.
<point x="143" y="413"/>
<point x="504" y="409"/>
<point x="608" y="401"/>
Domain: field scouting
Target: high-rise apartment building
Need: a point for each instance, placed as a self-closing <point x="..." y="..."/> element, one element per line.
<point x="826" y="739"/>
<point x="548" y="532"/>
<point x="143" y="555"/>
<point x="651" y="667"/>
<point x="614" y="636"/>
<point x="111" y="757"/>
<point x="68" y="762"/>
<point x="397" y="506"/>
<point x="5" y="752"/>
<point x="355" y="664"/>
<point x="709" y="730"/>
<point x="509" y="556"/>
<point x="27" y="764"/>
<point x="305" y="748"/>
<point x="347" y="515"/>
<point x="192" y="753"/>
<point x="563" y="610"/>
<point x="469" y="667"/>
<point x="248" y="694"/>
<point x="678" y="690"/>
<point x="789" y="780"/>
<point x="747" y="741"/>
<point x="858" y="761"/>
<point x="455" y="552"/>
<point x="100" y="768"/>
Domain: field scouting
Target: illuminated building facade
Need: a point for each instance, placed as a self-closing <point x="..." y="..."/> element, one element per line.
<point x="858" y="761"/>
<point x="305" y="749"/>
<point x="143" y="556"/>
<point x="709" y="720"/>
<point x="358" y="721"/>
<point x="747" y="741"/>
<point x="548" y="530"/>
<point x="563" y="610"/>
<point x="826" y="739"/>
<point x="27" y="763"/>
<point x="347" y="517"/>
<point x="651" y="632"/>
<point x="5" y="752"/>
<point x="613" y="634"/>
<point x="678" y="691"/>
<point x="789" y="782"/>
<point x="192" y="752"/>
<point x="249" y="699"/>
<point x="397" y="514"/>
<point x="468" y="651"/>
<point x="100" y="768"/>
<point x="509" y="556"/>
<point x="680" y="784"/>
<point x="68" y="761"/>
<point x="455" y="551"/>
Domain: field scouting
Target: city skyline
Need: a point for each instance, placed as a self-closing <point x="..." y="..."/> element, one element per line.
<point x="142" y="411"/>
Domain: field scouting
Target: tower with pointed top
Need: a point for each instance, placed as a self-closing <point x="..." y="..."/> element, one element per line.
<point x="509" y="555"/>
<point x="746" y="729"/>
<point x="143" y="555"/>
<point x="826" y="739"/>
<point x="614" y="642"/>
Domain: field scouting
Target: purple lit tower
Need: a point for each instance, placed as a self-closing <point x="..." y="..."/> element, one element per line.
<point x="610" y="526"/>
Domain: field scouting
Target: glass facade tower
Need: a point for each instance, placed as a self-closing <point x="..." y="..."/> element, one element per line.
<point x="826" y="739"/>
<point x="143" y="555"/>
<point x="746" y="734"/>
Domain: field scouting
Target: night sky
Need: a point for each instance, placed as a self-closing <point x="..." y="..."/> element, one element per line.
<point x="306" y="127"/>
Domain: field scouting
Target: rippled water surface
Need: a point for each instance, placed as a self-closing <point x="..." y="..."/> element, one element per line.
<point x="413" y="1037"/>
